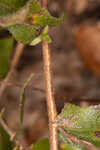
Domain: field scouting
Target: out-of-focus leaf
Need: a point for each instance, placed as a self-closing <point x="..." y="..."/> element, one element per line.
<point x="41" y="145"/>
<point x="16" y="148"/>
<point x="10" y="6"/>
<point x="6" y="46"/>
<point x="82" y="122"/>
<point x="2" y="113"/>
<point x="23" y="32"/>
<point x="5" y="143"/>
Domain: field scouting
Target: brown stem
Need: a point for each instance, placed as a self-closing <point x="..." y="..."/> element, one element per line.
<point x="14" y="63"/>
<point x="50" y="96"/>
<point x="17" y="55"/>
<point x="52" y="113"/>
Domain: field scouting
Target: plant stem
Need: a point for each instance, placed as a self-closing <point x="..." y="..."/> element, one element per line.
<point x="52" y="113"/>
<point x="21" y="106"/>
<point x="50" y="96"/>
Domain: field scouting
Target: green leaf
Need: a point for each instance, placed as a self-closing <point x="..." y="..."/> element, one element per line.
<point x="5" y="143"/>
<point x="6" y="46"/>
<point x="26" y="24"/>
<point x="10" y="6"/>
<point x="45" y="31"/>
<point x="35" y="7"/>
<point x="70" y="146"/>
<point x="82" y="122"/>
<point x="18" y="17"/>
<point x="36" y="40"/>
<point x="45" y="35"/>
<point x="41" y="145"/>
<point x="47" y="38"/>
<point x="74" y="146"/>
<point x="49" y="20"/>
<point x="23" y="32"/>
<point x="41" y="17"/>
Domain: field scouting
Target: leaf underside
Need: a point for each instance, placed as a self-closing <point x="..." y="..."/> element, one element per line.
<point x="81" y="122"/>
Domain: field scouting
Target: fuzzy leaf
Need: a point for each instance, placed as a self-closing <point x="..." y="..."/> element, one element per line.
<point x="41" y="17"/>
<point x="82" y="122"/>
<point x="26" y="23"/>
<point x="6" y="46"/>
<point x="35" y="7"/>
<point x="24" y="33"/>
<point x="40" y="20"/>
<point x="10" y="6"/>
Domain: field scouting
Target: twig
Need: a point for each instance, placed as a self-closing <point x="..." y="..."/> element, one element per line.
<point x="52" y="113"/>
<point x="19" y="85"/>
<point x="18" y="52"/>
<point x="21" y="106"/>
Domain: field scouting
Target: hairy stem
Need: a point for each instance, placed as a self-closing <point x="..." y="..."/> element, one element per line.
<point x="52" y="113"/>
<point x="50" y="96"/>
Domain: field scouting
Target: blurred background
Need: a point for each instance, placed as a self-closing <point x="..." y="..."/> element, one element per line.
<point x="73" y="81"/>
